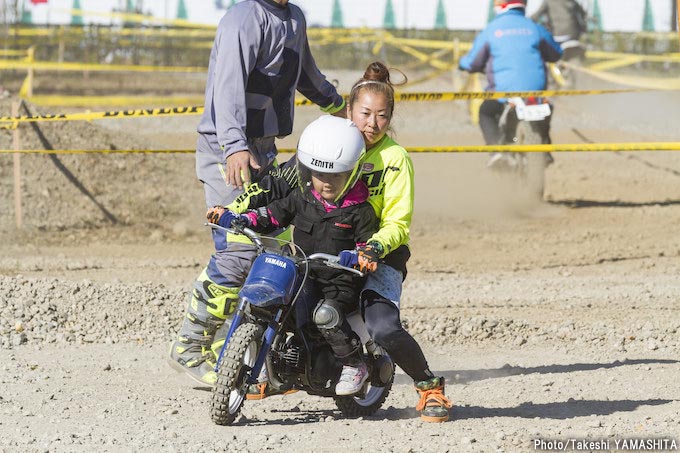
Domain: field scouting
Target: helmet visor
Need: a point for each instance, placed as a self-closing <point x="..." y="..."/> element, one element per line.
<point x="332" y="186"/>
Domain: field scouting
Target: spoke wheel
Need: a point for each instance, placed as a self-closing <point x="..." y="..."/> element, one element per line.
<point x="231" y="386"/>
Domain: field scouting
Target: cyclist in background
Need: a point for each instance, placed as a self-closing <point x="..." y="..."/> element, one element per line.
<point x="512" y="51"/>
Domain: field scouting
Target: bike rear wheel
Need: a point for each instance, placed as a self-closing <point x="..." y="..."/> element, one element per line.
<point x="533" y="164"/>
<point x="355" y="406"/>
<point x="231" y="387"/>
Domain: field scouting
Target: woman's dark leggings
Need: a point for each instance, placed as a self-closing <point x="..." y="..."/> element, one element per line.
<point x="384" y="325"/>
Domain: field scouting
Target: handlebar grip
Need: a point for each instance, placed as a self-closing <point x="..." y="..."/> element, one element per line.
<point x="332" y="261"/>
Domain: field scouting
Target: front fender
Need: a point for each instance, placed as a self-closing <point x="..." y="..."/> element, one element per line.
<point x="262" y="295"/>
<point x="271" y="281"/>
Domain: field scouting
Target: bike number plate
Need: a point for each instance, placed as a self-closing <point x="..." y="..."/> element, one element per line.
<point x="533" y="112"/>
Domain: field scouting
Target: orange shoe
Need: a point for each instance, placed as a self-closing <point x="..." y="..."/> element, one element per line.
<point x="433" y="405"/>
<point x="264" y="390"/>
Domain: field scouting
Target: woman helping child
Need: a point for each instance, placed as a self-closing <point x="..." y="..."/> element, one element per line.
<point x="387" y="171"/>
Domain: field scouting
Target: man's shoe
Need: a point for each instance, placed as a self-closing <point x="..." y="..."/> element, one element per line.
<point x="351" y="380"/>
<point x="433" y="405"/>
<point x="264" y="390"/>
<point x="198" y="367"/>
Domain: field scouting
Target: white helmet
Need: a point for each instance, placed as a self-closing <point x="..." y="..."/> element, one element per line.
<point x="330" y="145"/>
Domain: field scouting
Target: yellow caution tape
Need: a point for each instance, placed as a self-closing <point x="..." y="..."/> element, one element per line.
<point x="162" y="32"/>
<point x="574" y="147"/>
<point x="643" y="83"/>
<point x="197" y="110"/>
<point x="436" y="55"/>
<point x="138" y="18"/>
<point x="99" y="151"/>
<point x="179" y="44"/>
<point x="55" y="66"/>
<point x="117" y="101"/>
<point x="152" y="31"/>
<point x="663" y="58"/>
<point x="315" y="32"/>
<point x="656" y="35"/>
<point x="567" y="147"/>
<point x="328" y="34"/>
<point x="473" y="84"/>
<point x="430" y="76"/>
<point x="452" y="96"/>
<point x="556" y="74"/>
<point x="11" y="52"/>
<point x="468" y="95"/>
<point x="422" y="56"/>
<point x="430" y="43"/>
<point x="608" y="65"/>
<point x="105" y="115"/>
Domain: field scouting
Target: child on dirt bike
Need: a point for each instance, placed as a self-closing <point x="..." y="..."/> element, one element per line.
<point x="330" y="215"/>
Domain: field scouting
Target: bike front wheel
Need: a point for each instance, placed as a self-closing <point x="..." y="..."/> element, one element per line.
<point x="532" y="171"/>
<point x="232" y="376"/>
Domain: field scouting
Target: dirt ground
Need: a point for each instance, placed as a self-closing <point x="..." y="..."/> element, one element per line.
<point x="552" y="321"/>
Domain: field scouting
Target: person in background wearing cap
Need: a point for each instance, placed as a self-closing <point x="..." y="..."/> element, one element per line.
<point x="259" y="58"/>
<point x="512" y="50"/>
<point x="331" y="215"/>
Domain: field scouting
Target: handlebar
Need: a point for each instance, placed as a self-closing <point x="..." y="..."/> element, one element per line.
<point x="250" y="234"/>
<point x="333" y="261"/>
<point x="325" y="258"/>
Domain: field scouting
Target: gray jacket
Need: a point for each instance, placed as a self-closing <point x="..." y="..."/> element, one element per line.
<point x="259" y="58"/>
<point x="565" y="18"/>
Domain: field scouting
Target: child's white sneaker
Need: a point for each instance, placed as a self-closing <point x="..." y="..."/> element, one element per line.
<point x="351" y="379"/>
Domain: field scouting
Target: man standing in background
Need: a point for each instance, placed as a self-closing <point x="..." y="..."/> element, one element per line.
<point x="566" y="19"/>
<point x="259" y="58"/>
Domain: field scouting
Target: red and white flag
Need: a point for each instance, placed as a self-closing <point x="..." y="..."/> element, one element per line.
<point x="35" y="2"/>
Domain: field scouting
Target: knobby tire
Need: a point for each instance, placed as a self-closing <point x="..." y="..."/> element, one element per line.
<point x="353" y="407"/>
<point x="230" y="386"/>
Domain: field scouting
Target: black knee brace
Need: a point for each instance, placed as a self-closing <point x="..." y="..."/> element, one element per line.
<point x="330" y="319"/>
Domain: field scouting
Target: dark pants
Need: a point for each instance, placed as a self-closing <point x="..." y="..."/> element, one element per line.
<point x="384" y="325"/>
<point x="489" y="114"/>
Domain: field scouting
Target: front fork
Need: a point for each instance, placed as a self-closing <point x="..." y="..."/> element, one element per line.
<point x="267" y="339"/>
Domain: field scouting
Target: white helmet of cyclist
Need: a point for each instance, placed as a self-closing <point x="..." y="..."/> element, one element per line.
<point x="330" y="144"/>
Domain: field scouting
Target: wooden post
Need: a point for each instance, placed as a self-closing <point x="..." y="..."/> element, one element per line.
<point x="17" y="169"/>
<point x="455" y="73"/>
<point x="62" y="46"/>
<point x="29" y="77"/>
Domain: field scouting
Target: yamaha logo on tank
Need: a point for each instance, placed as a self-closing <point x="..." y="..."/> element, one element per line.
<point x="275" y="262"/>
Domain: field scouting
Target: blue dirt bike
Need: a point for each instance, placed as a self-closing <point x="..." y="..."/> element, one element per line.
<point x="263" y="334"/>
